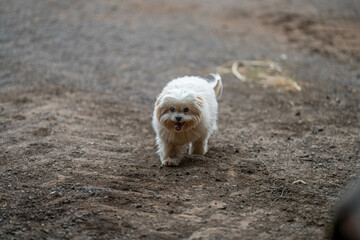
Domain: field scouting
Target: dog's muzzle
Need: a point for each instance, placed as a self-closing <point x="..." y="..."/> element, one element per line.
<point x="178" y="126"/>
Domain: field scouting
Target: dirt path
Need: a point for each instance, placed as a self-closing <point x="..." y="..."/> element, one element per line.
<point x="77" y="152"/>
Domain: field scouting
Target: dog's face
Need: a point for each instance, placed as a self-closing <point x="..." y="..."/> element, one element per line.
<point x="179" y="110"/>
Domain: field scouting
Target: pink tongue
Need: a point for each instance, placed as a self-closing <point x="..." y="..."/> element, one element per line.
<point x="179" y="126"/>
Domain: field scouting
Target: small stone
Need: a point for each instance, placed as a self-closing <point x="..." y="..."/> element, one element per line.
<point x="235" y="194"/>
<point x="320" y="223"/>
<point x="317" y="129"/>
<point x="218" y="205"/>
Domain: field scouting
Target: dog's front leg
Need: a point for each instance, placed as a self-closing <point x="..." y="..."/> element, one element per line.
<point x="199" y="146"/>
<point x="169" y="154"/>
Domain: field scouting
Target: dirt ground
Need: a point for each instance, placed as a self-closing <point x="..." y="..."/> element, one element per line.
<point x="78" y="80"/>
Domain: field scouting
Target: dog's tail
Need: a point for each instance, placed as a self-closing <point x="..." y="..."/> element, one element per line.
<point x="217" y="84"/>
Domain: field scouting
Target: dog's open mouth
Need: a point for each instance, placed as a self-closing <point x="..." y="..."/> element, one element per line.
<point x="178" y="126"/>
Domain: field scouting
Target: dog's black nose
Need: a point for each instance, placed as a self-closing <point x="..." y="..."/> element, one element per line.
<point x="178" y="118"/>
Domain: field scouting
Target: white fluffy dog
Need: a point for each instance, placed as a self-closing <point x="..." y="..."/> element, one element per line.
<point x="185" y="112"/>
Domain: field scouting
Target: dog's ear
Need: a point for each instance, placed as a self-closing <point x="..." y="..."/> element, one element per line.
<point x="159" y="97"/>
<point x="159" y="109"/>
<point x="200" y="101"/>
<point x="198" y="105"/>
<point x="159" y="112"/>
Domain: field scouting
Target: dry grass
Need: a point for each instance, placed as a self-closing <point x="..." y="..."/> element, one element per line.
<point x="265" y="73"/>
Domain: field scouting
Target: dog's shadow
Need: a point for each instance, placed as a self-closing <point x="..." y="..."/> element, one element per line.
<point x="190" y="161"/>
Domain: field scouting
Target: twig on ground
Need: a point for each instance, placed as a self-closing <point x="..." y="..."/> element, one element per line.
<point x="234" y="70"/>
<point x="271" y="65"/>
<point x="269" y="73"/>
<point x="282" y="194"/>
<point x="299" y="181"/>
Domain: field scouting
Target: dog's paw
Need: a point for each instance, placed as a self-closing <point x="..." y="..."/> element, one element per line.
<point x="197" y="151"/>
<point x="170" y="162"/>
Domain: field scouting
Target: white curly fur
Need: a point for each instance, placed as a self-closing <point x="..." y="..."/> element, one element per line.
<point x="185" y="113"/>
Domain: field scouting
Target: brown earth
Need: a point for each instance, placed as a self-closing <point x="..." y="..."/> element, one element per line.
<point x="77" y="151"/>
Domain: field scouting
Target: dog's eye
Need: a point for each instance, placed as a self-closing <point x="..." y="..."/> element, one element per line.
<point x="172" y="109"/>
<point x="186" y="109"/>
